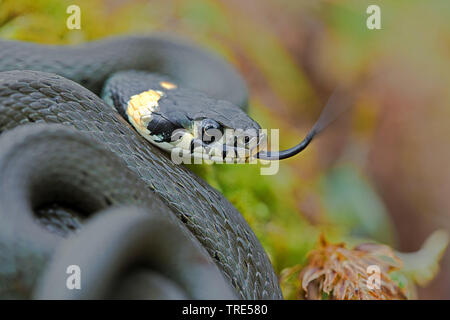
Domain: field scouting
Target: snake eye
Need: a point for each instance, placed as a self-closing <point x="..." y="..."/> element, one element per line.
<point x="210" y="131"/>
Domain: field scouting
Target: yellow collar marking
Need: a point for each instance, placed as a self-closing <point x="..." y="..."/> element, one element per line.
<point x="140" y="109"/>
<point x="168" y="85"/>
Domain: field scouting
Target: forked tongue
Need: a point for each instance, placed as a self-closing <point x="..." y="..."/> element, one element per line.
<point x="338" y="103"/>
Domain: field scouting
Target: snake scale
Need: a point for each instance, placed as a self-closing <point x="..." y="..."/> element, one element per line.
<point x="60" y="85"/>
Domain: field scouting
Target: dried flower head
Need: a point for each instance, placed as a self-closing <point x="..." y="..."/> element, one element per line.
<point x="339" y="273"/>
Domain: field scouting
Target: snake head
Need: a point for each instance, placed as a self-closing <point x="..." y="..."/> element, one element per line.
<point x="210" y="139"/>
<point x="183" y="120"/>
<point x="209" y="129"/>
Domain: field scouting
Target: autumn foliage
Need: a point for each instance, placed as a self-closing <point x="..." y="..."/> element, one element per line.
<point x="335" y="272"/>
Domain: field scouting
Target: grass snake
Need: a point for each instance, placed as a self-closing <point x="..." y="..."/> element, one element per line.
<point x="61" y="85"/>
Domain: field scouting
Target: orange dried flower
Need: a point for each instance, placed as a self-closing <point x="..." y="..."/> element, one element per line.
<point x="345" y="274"/>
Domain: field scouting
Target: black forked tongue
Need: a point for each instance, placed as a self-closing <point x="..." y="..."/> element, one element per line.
<point x="336" y="105"/>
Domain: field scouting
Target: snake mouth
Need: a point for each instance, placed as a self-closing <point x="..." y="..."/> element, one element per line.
<point x="187" y="147"/>
<point x="234" y="146"/>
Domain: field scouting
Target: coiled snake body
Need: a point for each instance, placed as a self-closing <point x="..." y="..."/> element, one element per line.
<point x="73" y="168"/>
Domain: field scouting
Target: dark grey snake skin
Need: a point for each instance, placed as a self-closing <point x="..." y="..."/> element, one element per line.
<point x="133" y="247"/>
<point x="30" y="96"/>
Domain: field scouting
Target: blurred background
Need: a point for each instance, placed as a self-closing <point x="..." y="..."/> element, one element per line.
<point x="380" y="173"/>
